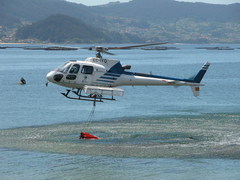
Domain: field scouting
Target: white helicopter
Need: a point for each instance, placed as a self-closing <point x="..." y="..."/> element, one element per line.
<point x="99" y="78"/>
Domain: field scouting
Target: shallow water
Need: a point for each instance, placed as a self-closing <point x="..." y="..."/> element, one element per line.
<point x="149" y="133"/>
<point x="203" y="136"/>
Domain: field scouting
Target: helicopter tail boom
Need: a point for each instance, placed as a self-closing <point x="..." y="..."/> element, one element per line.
<point x="136" y="79"/>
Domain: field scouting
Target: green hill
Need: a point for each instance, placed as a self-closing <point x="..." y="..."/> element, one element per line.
<point x="65" y="29"/>
<point x="171" y="11"/>
<point x="173" y="21"/>
<point x="135" y="21"/>
<point x="35" y="10"/>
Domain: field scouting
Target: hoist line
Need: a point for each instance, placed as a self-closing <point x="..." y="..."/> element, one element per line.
<point x="90" y="117"/>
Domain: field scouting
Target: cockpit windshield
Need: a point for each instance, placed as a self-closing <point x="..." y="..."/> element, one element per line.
<point x="64" y="68"/>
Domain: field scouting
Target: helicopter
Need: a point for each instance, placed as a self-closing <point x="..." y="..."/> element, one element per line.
<point x="98" y="79"/>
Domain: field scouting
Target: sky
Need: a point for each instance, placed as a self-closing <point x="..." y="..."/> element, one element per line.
<point x="100" y="2"/>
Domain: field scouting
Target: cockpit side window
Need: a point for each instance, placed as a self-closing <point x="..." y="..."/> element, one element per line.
<point x="87" y="70"/>
<point x="74" y="69"/>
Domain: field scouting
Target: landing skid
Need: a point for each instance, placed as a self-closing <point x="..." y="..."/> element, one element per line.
<point x="92" y="97"/>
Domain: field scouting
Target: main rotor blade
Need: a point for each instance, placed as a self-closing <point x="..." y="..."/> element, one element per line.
<point x="139" y="45"/>
<point x="106" y="52"/>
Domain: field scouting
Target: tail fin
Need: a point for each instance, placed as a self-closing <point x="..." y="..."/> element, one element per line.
<point x="201" y="73"/>
<point x="198" y="78"/>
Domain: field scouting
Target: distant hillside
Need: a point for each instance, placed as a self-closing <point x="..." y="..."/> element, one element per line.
<point x="172" y="21"/>
<point x="144" y="10"/>
<point x="65" y="29"/>
<point x="134" y="21"/>
<point x="35" y="10"/>
<point x="170" y="11"/>
<point x="7" y="20"/>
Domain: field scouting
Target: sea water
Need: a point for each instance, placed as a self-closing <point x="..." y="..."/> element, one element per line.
<point x="149" y="133"/>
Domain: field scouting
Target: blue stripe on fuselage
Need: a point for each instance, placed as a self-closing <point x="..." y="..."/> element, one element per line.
<point x="112" y="74"/>
<point x="111" y="78"/>
<point x="105" y="81"/>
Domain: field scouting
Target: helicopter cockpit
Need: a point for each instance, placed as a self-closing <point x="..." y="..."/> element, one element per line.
<point x="65" y="67"/>
<point x="70" y="71"/>
<point x="74" y="68"/>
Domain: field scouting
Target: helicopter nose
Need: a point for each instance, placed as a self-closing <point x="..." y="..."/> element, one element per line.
<point x="49" y="76"/>
<point x="54" y="77"/>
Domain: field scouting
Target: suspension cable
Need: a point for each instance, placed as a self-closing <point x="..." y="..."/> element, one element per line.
<point x="90" y="118"/>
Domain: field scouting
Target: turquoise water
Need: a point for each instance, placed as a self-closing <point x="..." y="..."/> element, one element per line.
<point x="149" y="133"/>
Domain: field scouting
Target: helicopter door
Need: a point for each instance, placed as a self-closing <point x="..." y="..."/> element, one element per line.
<point x="87" y="72"/>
